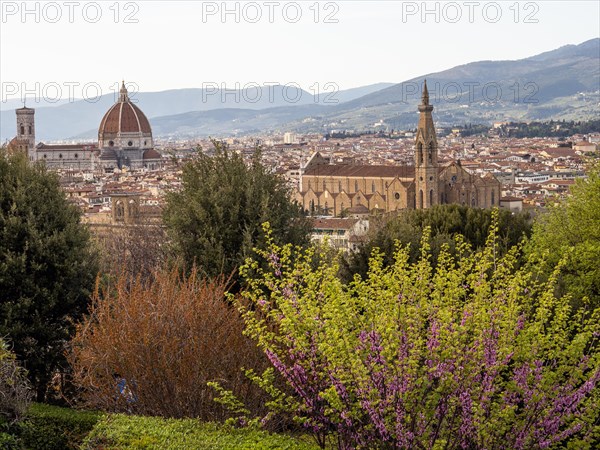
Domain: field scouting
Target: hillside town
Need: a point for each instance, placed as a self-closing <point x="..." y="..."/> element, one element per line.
<point x="341" y="179"/>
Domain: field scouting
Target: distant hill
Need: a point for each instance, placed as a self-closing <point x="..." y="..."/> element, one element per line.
<point x="559" y="84"/>
<point x="82" y="117"/>
<point x="543" y="78"/>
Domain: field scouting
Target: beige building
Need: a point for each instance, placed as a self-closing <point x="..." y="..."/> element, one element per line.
<point x="334" y="189"/>
<point x="585" y="147"/>
<point x="514" y="204"/>
<point x="342" y="234"/>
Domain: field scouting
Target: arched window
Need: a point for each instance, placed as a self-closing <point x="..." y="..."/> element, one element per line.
<point x="431" y="197"/>
<point x="356" y="186"/>
<point x="133" y="208"/>
<point x="421" y="199"/>
<point x="430" y="152"/>
<point x="493" y="197"/>
<point x="420" y="152"/>
<point x="119" y="210"/>
<point x="29" y="129"/>
<point x="373" y="186"/>
<point x="22" y="130"/>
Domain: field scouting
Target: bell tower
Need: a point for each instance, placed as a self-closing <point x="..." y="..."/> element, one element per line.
<point x="26" y="130"/>
<point x="426" y="157"/>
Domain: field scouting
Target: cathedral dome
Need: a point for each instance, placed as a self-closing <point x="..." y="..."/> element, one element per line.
<point x="124" y="125"/>
<point x="124" y="117"/>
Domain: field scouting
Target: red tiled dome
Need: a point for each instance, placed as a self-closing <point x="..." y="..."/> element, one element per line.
<point x="151" y="154"/>
<point x="124" y="117"/>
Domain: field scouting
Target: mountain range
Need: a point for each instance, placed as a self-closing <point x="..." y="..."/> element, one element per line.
<point x="560" y="84"/>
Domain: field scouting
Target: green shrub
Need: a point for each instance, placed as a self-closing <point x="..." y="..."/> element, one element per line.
<point x="52" y="428"/>
<point x="475" y="353"/>
<point x="9" y="442"/>
<point x="131" y="432"/>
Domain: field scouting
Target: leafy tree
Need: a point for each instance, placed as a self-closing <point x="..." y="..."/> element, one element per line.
<point x="47" y="270"/>
<point x="215" y="220"/>
<point x="477" y="354"/>
<point x="571" y="229"/>
<point x="445" y="222"/>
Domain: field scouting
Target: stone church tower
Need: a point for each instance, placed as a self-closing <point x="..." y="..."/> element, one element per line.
<point x="26" y="130"/>
<point x="426" y="157"/>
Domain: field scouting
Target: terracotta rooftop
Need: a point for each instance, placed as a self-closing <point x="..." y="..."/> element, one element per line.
<point x="360" y="171"/>
<point x="334" y="224"/>
<point x="66" y="147"/>
<point x="152" y="154"/>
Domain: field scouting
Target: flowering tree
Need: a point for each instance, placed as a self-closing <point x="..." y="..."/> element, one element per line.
<point x="475" y="354"/>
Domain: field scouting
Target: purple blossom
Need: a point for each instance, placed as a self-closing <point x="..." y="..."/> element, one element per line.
<point x="466" y="384"/>
<point x="275" y="263"/>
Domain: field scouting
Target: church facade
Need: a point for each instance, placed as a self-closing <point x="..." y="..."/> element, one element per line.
<point x="124" y="140"/>
<point x="329" y="189"/>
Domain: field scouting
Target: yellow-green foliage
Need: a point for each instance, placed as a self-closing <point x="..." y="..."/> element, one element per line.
<point x="120" y="432"/>
<point x="476" y="352"/>
<point x="571" y="230"/>
<point x="53" y="428"/>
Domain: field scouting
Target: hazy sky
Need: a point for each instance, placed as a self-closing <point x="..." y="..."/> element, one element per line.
<point x="169" y="45"/>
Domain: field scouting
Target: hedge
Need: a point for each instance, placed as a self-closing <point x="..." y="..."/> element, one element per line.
<point x="151" y="433"/>
<point x="52" y="428"/>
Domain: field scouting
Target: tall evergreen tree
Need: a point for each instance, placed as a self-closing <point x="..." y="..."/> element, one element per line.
<point x="47" y="268"/>
<point x="215" y="220"/>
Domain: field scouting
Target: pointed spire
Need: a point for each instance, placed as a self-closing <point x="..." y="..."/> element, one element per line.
<point x="425" y="97"/>
<point x="123" y="92"/>
<point x="425" y="106"/>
